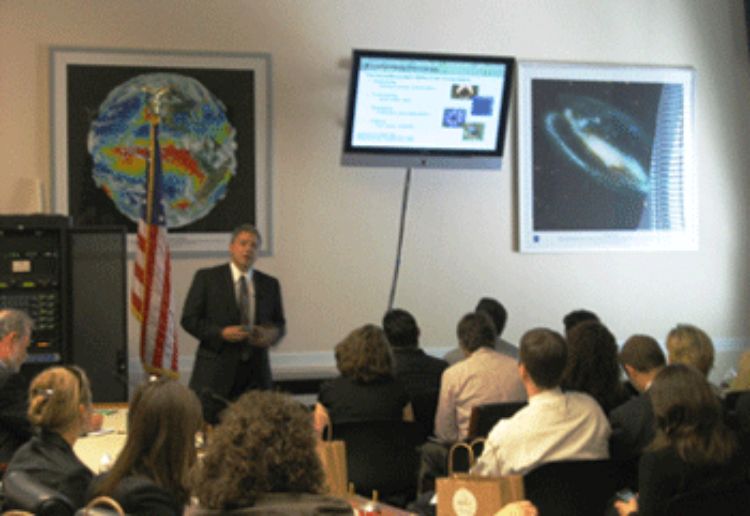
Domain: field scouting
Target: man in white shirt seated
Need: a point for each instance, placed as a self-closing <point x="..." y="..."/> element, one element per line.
<point x="554" y="426"/>
<point x="485" y="376"/>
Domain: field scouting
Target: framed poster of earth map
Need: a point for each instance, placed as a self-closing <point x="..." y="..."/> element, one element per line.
<point x="215" y="141"/>
<point x="606" y="158"/>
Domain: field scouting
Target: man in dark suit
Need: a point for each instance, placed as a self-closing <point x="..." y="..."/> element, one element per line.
<point x="236" y="313"/>
<point x="419" y="372"/>
<point x="633" y="422"/>
<point x="15" y="335"/>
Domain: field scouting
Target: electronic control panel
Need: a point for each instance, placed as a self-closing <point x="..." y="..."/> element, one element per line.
<point x="33" y="279"/>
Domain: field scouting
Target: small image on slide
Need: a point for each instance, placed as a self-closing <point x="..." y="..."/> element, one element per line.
<point x="464" y="91"/>
<point x="481" y="106"/>
<point x="473" y="131"/>
<point x="454" y="117"/>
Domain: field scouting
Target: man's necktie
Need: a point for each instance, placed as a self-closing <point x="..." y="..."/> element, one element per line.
<point x="244" y="303"/>
<point x="245" y="315"/>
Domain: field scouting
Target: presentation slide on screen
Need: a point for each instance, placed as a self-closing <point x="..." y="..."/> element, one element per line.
<point x="428" y="104"/>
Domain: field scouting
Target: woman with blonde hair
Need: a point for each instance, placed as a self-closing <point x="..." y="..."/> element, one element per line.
<point x="150" y="474"/>
<point x="59" y="411"/>
<point x="688" y="344"/>
<point x="366" y="389"/>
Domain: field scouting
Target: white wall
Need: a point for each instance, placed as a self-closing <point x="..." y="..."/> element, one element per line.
<point x="335" y="228"/>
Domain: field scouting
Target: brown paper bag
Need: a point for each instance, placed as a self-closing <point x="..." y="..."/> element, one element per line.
<point x="461" y="494"/>
<point x="332" y="456"/>
<point x="470" y="495"/>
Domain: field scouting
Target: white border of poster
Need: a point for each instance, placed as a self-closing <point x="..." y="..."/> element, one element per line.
<point x="606" y="158"/>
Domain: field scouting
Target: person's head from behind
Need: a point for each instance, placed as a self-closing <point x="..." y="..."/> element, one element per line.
<point x="592" y="364"/>
<point x="475" y="330"/>
<point x="265" y="443"/>
<point x="542" y="358"/>
<point x="401" y="329"/>
<point x="163" y="418"/>
<point x="576" y="317"/>
<point x="496" y="312"/>
<point x="689" y="416"/>
<point x="687" y="344"/>
<point x="641" y="358"/>
<point x="364" y="355"/>
<point x="243" y="246"/>
<point x="15" y="336"/>
<point x="60" y="401"/>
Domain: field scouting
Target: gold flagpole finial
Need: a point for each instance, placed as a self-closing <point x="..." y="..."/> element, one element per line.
<point x="155" y="103"/>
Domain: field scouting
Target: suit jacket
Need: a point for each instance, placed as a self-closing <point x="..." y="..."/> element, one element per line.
<point x="633" y="427"/>
<point x="15" y="428"/>
<point x="210" y="306"/>
<point x="51" y="461"/>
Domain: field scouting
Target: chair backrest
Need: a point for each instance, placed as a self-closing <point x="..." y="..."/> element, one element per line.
<point x="424" y="405"/>
<point x="484" y="417"/>
<point x="731" y="499"/>
<point x="26" y="493"/>
<point x="576" y="487"/>
<point x="382" y="455"/>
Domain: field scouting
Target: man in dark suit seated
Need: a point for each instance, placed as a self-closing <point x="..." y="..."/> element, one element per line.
<point x="418" y="372"/>
<point x="15" y="336"/>
<point x="633" y="422"/>
<point x="236" y="313"/>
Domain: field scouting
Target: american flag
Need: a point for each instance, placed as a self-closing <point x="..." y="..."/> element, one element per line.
<point x="151" y="295"/>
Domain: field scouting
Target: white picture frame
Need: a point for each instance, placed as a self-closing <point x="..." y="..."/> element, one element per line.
<point x="606" y="158"/>
<point x="251" y="116"/>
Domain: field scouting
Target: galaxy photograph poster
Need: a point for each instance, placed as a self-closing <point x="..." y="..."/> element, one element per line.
<point x="606" y="158"/>
<point x="213" y="141"/>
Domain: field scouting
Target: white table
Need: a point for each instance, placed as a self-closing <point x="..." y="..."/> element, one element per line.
<point x="92" y="447"/>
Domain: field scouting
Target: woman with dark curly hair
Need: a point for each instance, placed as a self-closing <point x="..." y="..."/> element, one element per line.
<point x="366" y="389"/>
<point x="693" y="448"/>
<point x="150" y="474"/>
<point x="592" y="365"/>
<point x="262" y="456"/>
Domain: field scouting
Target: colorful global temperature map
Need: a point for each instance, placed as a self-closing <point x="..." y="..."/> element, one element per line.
<point x="196" y="139"/>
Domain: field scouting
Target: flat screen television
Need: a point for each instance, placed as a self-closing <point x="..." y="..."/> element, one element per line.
<point x="426" y="110"/>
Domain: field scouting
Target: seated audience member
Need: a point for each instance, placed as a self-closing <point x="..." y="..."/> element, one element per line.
<point x="742" y="381"/>
<point x="15" y="429"/>
<point x="693" y="448"/>
<point x="554" y="426"/>
<point x="499" y="316"/>
<point x="632" y="422"/>
<point x="150" y="475"/>
<point x="262" y="456"/>
<point x="689" y="345"/>
<point x="485" y="376"/>
<point x="366" y="389"/>
<point x="742" y="410"/>
<point x="418" y="372"/>
<point x="59" y="409"/>
<point x="592" y="365"/>
<point x="576" y="317"/>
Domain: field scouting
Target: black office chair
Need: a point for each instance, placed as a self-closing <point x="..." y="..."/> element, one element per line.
<point x="424" y="405"/>
<point x="25" y="493"/>
<point x="484" y="417"/>
<point x="382" y="456"/>
<point x="729" y="500"/>
<point x="573" y="488"/>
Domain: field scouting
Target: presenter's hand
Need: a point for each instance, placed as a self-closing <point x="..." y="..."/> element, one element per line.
<point x="234" y="334"/>
<point x="264" y="336"/>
